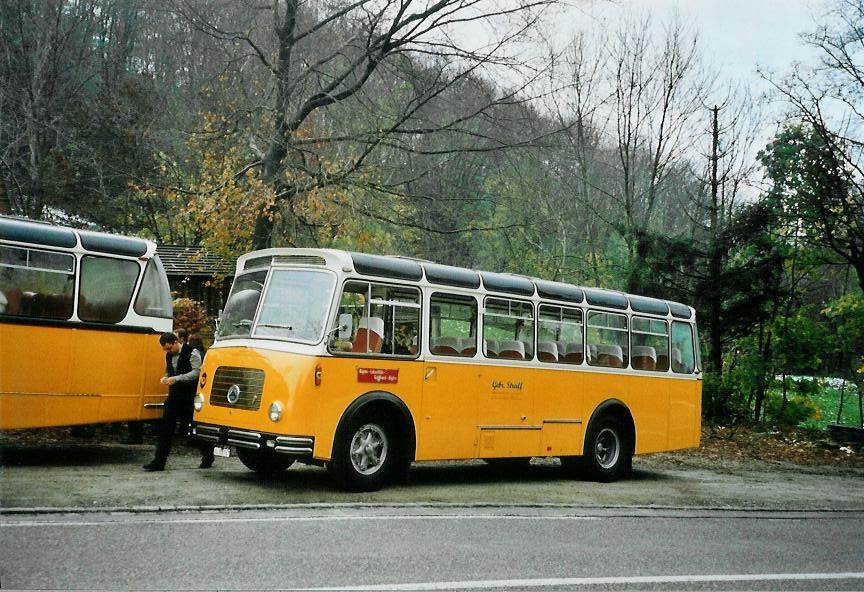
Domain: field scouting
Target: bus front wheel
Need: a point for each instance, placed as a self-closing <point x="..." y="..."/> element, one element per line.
<point x="364" y="454"/>
<point x="264" y="461"/>
<point x="608" y="453"/>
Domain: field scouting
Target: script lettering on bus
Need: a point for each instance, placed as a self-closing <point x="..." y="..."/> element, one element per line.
<point x="499" y="385"/>
<point x="378" y="375"/>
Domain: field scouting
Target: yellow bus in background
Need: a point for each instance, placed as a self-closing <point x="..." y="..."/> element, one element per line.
<point x="369" y="363"/>
<point x="80" y="315"/>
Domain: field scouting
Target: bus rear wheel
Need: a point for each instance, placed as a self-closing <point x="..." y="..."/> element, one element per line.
<point x="608" y="452"/>
<point x="264" y="461"/>
<point x="364" y="454"/>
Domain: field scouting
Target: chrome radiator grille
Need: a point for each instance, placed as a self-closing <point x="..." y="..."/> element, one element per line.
<point x="249" y="381"/>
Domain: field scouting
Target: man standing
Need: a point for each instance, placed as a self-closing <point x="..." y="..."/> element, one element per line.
<point x="182" y="366"/>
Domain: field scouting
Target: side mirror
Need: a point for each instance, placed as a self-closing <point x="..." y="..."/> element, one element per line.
<point x="345" y="325"/>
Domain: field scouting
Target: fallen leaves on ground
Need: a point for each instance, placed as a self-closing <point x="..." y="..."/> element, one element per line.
<point x="810" y="449"/>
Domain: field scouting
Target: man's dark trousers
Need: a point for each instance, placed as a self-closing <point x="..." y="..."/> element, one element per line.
<point x="178" y="406"/>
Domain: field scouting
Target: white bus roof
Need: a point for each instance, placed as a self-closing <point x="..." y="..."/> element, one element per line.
<point x="404" y="268"/>
<point x="30" y="232"/>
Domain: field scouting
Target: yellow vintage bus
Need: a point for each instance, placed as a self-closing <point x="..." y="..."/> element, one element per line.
<point x="80" y="315"/>
<point x="368" y="363"/>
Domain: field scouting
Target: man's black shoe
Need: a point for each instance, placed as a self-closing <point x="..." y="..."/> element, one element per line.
<point x="206" y="463"/>
<point x="153" y="467"/>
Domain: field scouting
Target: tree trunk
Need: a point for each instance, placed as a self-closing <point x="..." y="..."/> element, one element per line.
<point x="764" y="351"/>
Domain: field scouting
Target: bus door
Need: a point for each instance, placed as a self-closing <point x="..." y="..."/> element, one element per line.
<point x="506" y="421"/>
<point x="448" y="419"/>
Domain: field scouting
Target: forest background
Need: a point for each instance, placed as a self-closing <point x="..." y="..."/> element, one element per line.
<point x="465" y="132"/>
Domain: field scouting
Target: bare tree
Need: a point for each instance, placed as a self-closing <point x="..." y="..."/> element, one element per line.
<point x="632" y="104"/>
<point x="658" y="93"/>
<point x="325" y="58"/>
<point x="46" y="63"/>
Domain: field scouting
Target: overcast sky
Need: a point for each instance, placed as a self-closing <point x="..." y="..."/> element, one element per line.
<point x="736" y="35"/>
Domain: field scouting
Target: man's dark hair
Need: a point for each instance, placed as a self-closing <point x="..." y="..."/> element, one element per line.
<point x="167" y="338"/>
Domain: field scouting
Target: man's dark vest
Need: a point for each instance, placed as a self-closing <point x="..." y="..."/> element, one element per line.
<point x="183" y="366"/>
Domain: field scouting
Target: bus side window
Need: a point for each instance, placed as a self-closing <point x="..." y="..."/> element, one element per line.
<point x="386" y="320"/>
<point x="453" y="325"/>
<point x="607" y="340"/>
<point x="508" y="329"/>
<point x="559" y="335"/>
<point x="106" y="288"/>
<point x="650" y="341"/>
<point x="35" y="283"/>
<point x="683" y="361"/>
<point x="399" y="308"/>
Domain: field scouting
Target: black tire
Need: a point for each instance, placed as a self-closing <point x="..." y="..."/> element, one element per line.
<point x="608" y="450"/>
<point x="265" y="461"/>
<point x="365" y="453"/>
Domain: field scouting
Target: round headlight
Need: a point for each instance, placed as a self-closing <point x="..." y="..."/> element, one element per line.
<point x="199" y="402"/>
<point x="275" y="411"/>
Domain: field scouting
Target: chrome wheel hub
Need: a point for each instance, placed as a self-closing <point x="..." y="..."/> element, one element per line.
<point x="607" y="448"/>
<point x="368" y="449"/>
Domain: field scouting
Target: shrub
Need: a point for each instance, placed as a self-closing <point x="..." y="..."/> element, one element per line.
<point x="797" y="410"/>
<point x="723" y="398"/>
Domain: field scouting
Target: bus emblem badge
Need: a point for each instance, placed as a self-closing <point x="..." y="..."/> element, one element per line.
<point x="233" y="394"/>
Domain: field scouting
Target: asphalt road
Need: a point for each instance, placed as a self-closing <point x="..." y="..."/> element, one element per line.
<point x="435" y="548"/>
<point x="71" y="476"/>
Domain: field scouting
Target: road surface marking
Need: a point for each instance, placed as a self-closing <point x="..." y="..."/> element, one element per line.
<point x="548" y="582"/>
<point x="170" y="520"/>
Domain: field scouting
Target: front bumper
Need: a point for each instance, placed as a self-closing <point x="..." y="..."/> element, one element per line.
<point x="223" y="436"/>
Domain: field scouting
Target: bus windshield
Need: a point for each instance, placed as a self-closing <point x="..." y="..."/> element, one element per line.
<point x="240" y="309"/>
<point x="294" y="307"/>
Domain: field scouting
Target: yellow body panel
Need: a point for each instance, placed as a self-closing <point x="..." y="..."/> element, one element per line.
<point x="57" y="376"/>
<point x="447" y="422"/>
<point x="461" y="409"/>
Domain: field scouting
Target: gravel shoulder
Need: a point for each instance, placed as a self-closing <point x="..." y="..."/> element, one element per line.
<point x="50" y="470"/>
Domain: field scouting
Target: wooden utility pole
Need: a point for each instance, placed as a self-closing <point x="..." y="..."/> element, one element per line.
<point x="715" y="261"/>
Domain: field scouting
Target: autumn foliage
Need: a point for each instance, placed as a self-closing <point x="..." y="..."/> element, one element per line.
<point x="190" y="315"/>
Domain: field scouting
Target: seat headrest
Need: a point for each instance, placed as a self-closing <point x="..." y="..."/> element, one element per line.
<point x="375" y="324"/>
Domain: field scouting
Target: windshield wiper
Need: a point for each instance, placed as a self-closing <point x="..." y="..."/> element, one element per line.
<point x="276" y="326"/>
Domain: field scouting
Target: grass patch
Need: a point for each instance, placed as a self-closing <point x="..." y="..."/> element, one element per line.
<point x="826" y="400"/>
<point x="813" y="403"/>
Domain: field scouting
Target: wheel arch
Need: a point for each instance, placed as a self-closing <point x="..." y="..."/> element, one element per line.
<point x="617" y="409"/>
<point x="391" y="405"/>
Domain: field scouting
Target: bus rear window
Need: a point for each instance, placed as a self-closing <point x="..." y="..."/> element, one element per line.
<point x="154" y="299"/>
<point x="683" y="361"/>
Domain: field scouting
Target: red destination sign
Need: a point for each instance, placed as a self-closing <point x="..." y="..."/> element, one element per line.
<point x="378" y="375"/>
